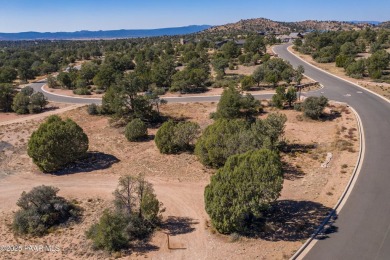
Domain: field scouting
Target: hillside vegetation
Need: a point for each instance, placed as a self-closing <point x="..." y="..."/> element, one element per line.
<point x="267" y="25"/>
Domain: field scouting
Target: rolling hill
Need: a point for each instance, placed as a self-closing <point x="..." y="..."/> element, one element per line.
<point x="267" y="25"/>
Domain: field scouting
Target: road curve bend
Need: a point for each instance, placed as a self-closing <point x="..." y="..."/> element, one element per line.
<point x="363" y="224"/>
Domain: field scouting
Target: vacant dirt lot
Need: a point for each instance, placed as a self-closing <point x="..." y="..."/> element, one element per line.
<point x="179" y="180"/>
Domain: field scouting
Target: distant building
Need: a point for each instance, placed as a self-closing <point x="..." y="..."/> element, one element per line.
<point x="240" y="43"/>
<point x="291" y="37"/>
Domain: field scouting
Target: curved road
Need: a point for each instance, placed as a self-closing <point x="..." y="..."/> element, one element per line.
<point x="76" y="100"/>
<point x="363" y="224"/>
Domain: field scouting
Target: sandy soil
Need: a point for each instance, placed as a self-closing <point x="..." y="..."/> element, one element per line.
<point x="52" y="108"/>
<point x="382" y="89"/>
<point x="179" y="180"/>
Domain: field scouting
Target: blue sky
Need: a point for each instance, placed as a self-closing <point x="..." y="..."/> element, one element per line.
<point x="74" y="15"/>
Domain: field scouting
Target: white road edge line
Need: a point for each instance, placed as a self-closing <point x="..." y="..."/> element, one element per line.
<point x="309" y="244"/>
<point x="345" y="80"/>
<point x="305" y="248"/>
<point x="59" y="95"/>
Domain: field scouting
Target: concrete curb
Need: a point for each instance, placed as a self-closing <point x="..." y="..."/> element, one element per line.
<point x="59" y="95"/>
<point x="348" y="81"/>
<point x="167" y="98"/>
<point x="305" y="248"/>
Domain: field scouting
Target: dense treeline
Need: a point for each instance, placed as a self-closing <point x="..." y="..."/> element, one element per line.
<point x="348" y="49"/>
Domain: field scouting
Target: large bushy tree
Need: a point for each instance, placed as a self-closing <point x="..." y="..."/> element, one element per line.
<point x="7" y="94"/>
<point x="225" y="138"/>
<point x="57" y="143"/>
<point x="240" y="191"/>
<point x="234" y="105"/>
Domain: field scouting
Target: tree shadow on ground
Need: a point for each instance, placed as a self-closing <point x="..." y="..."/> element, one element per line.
<point x="298" y="148"/>
<point x="143" y="247"/>
<point x="289" y="220"/>
<point x="330" y="116"/>
<point x="179" y="225"/>
<point x="93" y="162"/>
<point x="51" y="108"/>
<point x="292" y="172"/>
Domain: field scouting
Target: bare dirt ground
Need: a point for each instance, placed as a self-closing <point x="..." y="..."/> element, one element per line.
<point x="51" y="108"/>
<point x="179" y="180"/>
<point x="382" y="89"/>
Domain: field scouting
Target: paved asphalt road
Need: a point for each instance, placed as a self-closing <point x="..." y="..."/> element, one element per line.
<point x="55" y="98"/>
<point x="363" y="224"/>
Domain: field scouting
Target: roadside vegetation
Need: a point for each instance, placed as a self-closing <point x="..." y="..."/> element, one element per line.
<point x="362" y="53"/>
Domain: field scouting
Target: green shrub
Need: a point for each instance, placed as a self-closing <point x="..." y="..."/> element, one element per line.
<point x="93" y="109"/>
<point x="7" y="94"/>
<point x="136" y="215"/>
<point x="225" y="138"/>
<point x="57" y="143"/>
<point x="239" y="192"/>
<point x="247" y="83"/>
<point x="313" y="107"/>
<point x="176" y="137"/>
<point x="110" y="233"/>
<point x="20" y="103"/>
<point x="279" y="98"/>
<point x="82" y="91"/>
<point x="136" y="130"/>
<point x="41" y="209"/>
<point x="298" y="106"/>
<point x="38" y="101"/>
<point x="233" y="105"/>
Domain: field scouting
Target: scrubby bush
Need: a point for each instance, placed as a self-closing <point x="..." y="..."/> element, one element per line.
<point x="82" y="91"/>
<point x="41" y="209"/>
<point x="313" y="107"/>
<point x="93" y="109"/>
<point x="57" y="143"/>
<point x="176" y="137"/>
<point x="298" y="106"/>
<point x="136" y="130"/>
<point x="279" y="97"/>
<point x="247" y="83"/>
<point x="109" y="233"/>
<point x="136" y="215"/>
<point x="240" y="191"/>
<point x="38" y="102"/>
<point x="26" y="101"/>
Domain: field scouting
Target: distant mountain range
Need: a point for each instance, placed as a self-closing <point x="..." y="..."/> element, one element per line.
<point x="256" y="25"/>
<point x="111" y="34"/>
